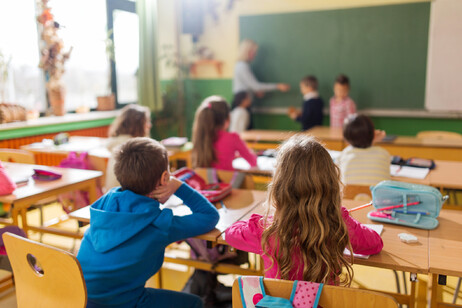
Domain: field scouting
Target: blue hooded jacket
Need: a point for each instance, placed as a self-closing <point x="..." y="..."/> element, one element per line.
<point x="125" y="243"/>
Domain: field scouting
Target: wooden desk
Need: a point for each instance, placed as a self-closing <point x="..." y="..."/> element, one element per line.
<point x="445" y="251"/>
<point x="25" y="196"/>
<point x="405" y="146"/>
<point x="238" y="204"/>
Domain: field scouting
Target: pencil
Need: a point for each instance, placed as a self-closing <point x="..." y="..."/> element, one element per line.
<point x="360" y="207"/>
<point x="397" y="206"/>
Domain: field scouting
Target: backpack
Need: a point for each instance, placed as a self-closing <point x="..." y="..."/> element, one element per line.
<point x="304" y="294"/>
<point x="74" y="200"/>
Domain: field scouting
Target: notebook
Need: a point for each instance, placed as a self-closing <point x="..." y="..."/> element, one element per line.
<point x="409" y="172"/>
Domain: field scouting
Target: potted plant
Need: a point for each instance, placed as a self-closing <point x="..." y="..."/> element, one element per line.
<point x="107" y="102"/>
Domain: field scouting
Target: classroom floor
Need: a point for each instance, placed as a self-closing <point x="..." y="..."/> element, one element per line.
<point x="175" y="276"/>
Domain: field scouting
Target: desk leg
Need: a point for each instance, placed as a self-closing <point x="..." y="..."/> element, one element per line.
<point x="92" y="194"/>
<point x="14" y="216"/>
<point x="412" y="295"/>
<point x="25" y="227"/>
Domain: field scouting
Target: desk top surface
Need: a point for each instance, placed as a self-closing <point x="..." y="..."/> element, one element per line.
<point x="34" y="187"/>
<point x="336" y="134"/>
<point x="445" y="244"/>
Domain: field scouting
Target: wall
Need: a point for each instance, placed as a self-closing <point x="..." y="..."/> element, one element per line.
<point x="222" y="37"/>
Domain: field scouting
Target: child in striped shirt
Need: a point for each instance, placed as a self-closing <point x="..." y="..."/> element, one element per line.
<point x="362" y="163"/>
<point x="341" y="105"/>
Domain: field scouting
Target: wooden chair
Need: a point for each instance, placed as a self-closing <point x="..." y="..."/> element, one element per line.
<point x="45" y="276"/>
<point x="226" y="176"/>
<point x="17" y="156"/>
<point x="436" y="134"/>
<point x="357" y="192"/>
<point x="331" y="296"/>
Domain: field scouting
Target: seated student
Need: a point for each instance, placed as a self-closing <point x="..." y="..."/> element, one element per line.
<point x="311" y="114"/>
<point x="126" y="241"/>
<point x="213" y="145"/>
<point x="362" y="163"/>
<point x="133" y="121"/>
<point x="306" y="236"/>
<point x="341" y="105"/>
<point x="240" y="116"/>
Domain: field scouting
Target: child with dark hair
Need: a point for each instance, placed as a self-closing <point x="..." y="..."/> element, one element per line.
<point x="240" y="116"/>
<point x="126" y="241"/>
<point x="341" y="105"/>
<point x="311" y="113"/>
<point x="362" y="163"/>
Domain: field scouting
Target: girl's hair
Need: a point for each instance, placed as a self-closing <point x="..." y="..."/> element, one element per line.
<point x="209" y="119"/>
<point x="245" y="48"/>
<point x="307" y="223"/>
<point x="131" y="121"/>
<point x="238" y="99"/>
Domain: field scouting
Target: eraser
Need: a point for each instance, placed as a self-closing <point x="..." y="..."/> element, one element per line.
<point x="407" y="238"/>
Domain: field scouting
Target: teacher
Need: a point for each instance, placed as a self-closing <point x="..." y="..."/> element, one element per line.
<point x="244" y="80"/>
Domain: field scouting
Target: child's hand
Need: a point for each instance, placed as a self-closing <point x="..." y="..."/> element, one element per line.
<point x="283" y="87"/>
<point x="163" y="192"/>
<point x="293" y="113"/>
<point x="378" y="135"/>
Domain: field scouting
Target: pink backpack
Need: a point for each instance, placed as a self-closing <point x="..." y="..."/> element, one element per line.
<point x="7" y="186"/>
<point x="72" y="201"/>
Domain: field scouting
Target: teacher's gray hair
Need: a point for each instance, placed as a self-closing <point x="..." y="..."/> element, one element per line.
<point x="245" y="48"/>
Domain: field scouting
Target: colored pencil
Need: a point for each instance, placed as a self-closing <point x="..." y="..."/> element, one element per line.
<point x="397" y="206"/>
<point x="360" y="207"/>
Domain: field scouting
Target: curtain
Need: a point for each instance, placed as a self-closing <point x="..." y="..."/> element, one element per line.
<point x="149" y="92"/>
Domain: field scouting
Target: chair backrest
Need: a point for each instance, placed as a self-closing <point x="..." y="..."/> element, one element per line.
<point x="436" y="134"/>
<point x="45" y="276"/>
<point x="17" y="156"/>
<point x="357" y="192"/>
<point x="226" y="177"/>
<point x="331" y="296"/>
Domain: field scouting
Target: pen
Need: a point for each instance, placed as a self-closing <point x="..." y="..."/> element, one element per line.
<point x="360" y="207"/>
<point x="223" y="206"/>
<point x="412" y="212"/>
<point x="397" y="206"/>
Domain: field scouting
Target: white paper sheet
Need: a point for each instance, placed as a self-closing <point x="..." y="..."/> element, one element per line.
<point x="409" y="172"/>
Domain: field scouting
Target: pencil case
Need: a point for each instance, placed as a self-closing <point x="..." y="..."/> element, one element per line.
<point x="406" y="204"/>
<point x="46" y="175"/>
<point x="212" y="192"/>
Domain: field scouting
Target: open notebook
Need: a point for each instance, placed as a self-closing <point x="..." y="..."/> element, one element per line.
<point x="376" y="228"/>
<point x="409" y="172"/>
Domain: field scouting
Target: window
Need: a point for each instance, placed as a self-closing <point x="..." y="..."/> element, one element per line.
<point x="84" y="27"/>
<point x="19" y="41"/>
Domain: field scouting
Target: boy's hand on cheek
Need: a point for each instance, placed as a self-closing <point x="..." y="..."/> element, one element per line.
<point x="163" y="192"/>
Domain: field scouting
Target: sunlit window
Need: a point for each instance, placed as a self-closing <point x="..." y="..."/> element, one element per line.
<point x="87" y="71"/>
<point x="19" y="41"/>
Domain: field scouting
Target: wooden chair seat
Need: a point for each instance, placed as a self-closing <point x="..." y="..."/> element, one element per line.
<point x="331" y="296"/>
<point x="45" y="276"/>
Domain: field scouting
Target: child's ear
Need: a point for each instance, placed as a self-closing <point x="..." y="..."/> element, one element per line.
<point x="165" y="178"/>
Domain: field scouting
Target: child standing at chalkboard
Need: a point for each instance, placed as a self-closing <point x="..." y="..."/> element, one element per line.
<point x="311" y="113"/>
<point x="341" y="105"/>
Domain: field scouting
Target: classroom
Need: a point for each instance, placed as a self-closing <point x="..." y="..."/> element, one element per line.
<point x="230" y="153"/>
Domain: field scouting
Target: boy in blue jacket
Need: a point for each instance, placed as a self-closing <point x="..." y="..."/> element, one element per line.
<point x="125" y="243"/>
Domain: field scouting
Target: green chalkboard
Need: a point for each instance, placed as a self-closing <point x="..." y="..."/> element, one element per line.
<point x="383" y="49"/>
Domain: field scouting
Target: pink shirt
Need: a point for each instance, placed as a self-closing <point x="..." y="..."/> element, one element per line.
<point x="227" y="146"/>
<point x="339" y="110"/>
<point x="246" y="235"/>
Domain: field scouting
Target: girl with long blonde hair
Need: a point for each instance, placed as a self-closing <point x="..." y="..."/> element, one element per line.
<point x="213" y="145"/>
<point x="305" y="237"/>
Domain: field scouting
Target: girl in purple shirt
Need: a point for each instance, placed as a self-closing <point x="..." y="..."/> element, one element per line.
<point x="213" y="145"/>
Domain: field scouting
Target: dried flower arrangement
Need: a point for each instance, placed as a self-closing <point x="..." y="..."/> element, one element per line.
<point x="53" y="57"/>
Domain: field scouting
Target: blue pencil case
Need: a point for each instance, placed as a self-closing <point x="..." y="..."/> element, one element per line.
<point x="406" y="204"/>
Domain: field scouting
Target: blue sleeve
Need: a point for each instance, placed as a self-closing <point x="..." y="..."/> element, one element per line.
<point x="204" y="215"/>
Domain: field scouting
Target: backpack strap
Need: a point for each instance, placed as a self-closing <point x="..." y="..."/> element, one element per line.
<point x="306" y="294"/>
<point x="251" y="289"/>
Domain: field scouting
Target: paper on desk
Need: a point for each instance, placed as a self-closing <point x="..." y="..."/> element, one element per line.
<point x="409" y="172"/>
<point x="230" y="216"/>
<point x="376" y="228"/>
<point x="176" y="205"/>
<point x="264" y="163"/>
